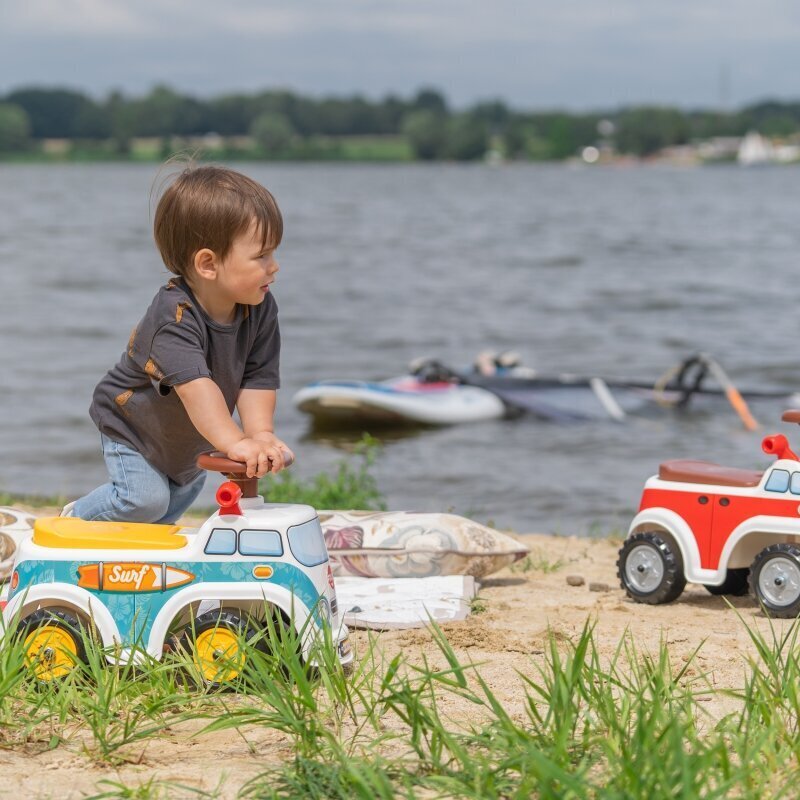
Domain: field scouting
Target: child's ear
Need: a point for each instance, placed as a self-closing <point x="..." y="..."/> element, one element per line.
<point x="205" y="264"/>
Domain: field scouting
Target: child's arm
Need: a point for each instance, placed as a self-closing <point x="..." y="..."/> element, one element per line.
<point x="257" y="410"/>
<point x="208" y="412"/>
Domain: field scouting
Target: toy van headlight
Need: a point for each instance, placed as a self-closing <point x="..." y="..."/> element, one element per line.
<point x="325" y="609"/>
<point x="14" y="580"/>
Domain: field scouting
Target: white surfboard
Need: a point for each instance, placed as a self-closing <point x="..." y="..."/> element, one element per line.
<point x="398" y="400"/>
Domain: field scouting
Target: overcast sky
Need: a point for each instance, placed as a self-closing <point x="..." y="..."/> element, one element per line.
<point x="578" y="54"/>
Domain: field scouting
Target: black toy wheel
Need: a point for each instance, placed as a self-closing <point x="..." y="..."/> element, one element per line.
<point x="775" y="579"/>
<point x="53" y="643"/>
<point x="650" y="568"/>
<point x="736" y="583"/>
<point x="215" y="642"/>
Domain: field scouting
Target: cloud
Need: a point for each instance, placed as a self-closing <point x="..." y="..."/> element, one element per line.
<point x="534" y="53"/>
<point x="432" y="20"/>
<point x="83" y="17"/>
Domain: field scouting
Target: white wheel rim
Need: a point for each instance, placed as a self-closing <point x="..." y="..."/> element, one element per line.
<point x="644" y="569"/>
<point x="779" y="581"/>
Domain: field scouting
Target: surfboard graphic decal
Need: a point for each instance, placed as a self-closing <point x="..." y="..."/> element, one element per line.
<point x="127" y="576"/>
<point x="174" y="577"/>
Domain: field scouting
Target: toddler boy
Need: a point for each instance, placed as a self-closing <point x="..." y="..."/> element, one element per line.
<point x="208" y="344"/>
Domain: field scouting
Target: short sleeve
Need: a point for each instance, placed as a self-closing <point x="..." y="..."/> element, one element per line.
<point x="262" y="366"/>
<point x="175" y="354"/>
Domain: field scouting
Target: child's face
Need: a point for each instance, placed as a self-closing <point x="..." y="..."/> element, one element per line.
<point x="247" y="271"/>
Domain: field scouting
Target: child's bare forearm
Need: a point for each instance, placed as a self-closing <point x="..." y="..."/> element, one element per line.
<point x="257" y="411"/>
<point x="209" y="413"/>
<point x="261" y="451"/>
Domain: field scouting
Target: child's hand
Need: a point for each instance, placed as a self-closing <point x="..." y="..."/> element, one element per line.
<point x="280" y="454"/>
<point x="260" y="454"/>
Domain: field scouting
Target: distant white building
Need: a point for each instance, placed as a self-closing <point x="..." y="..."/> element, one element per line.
<point x="755" y="149"/>
<point x="787" y="153"/>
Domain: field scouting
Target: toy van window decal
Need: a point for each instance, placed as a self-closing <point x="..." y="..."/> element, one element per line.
<point x="307" y="543"/>
<point x="778" y="481"/>
<point x="222" y="542"/>
<point x="260" y="543"/>
<point x="794" y="486"/>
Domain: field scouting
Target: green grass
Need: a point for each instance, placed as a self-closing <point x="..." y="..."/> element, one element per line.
<point x="626" y="726"/>
<point x="377" y="148"/>
<point x="32" y="500"/>
<point x="351" y="485"/>
<point x="478" y="605"/>
<point x="536" y="561"/>
<point x="147" y="790"/>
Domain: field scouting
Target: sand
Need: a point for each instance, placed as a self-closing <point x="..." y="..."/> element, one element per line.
<point x="520" y="608"/>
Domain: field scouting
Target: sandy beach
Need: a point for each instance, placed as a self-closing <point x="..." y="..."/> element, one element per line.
<point x="508" y="635"/>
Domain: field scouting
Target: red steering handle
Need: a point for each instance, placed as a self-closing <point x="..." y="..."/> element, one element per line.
<point x="219" y="462"/>
<point x="236" y="471"/>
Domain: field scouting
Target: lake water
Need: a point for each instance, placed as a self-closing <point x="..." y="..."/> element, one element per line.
<point x="610" y="271"/>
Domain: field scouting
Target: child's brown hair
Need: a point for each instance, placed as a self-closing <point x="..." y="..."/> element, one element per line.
<point x="208" y="206"/>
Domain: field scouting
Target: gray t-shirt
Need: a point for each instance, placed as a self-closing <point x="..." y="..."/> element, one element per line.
<point x="176" y="342"/>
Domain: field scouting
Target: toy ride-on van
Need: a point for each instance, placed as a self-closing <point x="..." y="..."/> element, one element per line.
<point x="728" y="529"/>
<point x="131" y="586"/>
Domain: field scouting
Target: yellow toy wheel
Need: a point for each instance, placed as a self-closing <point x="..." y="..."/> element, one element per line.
<point x="52" y="642"/>
<point x="216" y="644"/>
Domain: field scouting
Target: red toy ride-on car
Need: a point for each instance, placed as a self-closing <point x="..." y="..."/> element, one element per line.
<point x="729" y="529"/>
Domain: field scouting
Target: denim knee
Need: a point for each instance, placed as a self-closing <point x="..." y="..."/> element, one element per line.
<point x="148" y="506"/>
<point x="137" y="491"/>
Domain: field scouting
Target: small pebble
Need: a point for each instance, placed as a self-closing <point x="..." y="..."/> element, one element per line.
<point x="575" y="580"/>
<point x="598" y="587"/>
<point x="355" y="610"/>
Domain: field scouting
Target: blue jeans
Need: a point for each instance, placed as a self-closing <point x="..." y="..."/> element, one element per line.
<point x="137" y="491"/>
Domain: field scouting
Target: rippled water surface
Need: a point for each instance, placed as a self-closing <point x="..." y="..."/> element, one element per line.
<point x="594" y="271"/>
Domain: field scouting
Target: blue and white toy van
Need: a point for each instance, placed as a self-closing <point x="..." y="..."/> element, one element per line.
<point x="135" y="584"/>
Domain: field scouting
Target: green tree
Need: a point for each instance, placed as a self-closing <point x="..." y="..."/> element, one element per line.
<point x="494" y="112"/>
<point x="15" y="128"/>
<point x="430" y="100"/>
<point x="705" y="124"/>
<point x="123" y="122"/>
<point x="164" y="112"/>
<point x="426" y="133"/>
<point x="516" y="135"/>
<point x="300" y="111"/>
<point x="390" y="114"/>
<point x="561" y="136"/>
<point x="231" y="115"/>
<point x="53" y="113"/>
<point x="467" y="138"/>
<point x="273" y="132"/>
<point x="645" y="130"/>
<point x="771" y="117"/>
<point x="92" y="121"/>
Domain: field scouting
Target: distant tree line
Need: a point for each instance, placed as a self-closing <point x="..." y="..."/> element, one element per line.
<point x="284" y="124"/>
